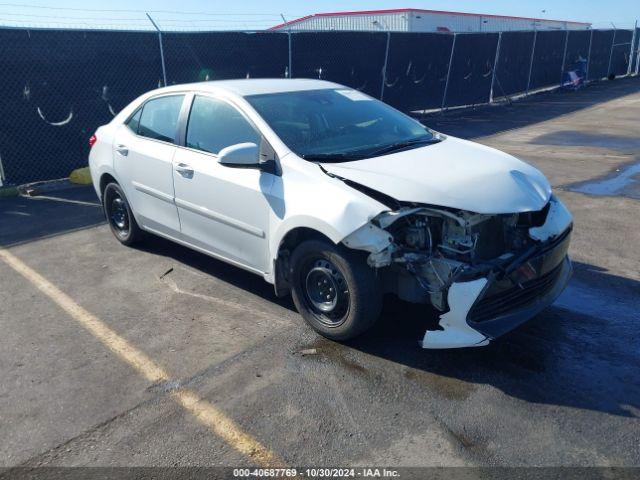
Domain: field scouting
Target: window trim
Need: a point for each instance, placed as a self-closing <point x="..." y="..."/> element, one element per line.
<point x="213" y="96"/>
<point x="183" y="121"/>
<point x="155" y="97"/>
<point x="130" y="117"/>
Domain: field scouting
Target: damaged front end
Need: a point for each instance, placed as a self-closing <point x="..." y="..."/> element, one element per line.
<point x="486" y="274"/>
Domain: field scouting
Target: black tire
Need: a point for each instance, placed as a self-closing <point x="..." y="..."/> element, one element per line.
<point x="352" y="307"/>
<point x="118" y="212"/>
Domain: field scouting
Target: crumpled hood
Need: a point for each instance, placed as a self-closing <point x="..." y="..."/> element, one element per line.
<point x="453" y="173"/>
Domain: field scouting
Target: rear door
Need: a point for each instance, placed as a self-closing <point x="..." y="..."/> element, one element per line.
<point x="224" y="210"/>
<point x="143" y="154"/>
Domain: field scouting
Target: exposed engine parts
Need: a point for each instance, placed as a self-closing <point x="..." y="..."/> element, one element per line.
<point x="427" y="249"/>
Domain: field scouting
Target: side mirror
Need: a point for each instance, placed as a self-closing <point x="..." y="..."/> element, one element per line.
<point x="242" y="155"/>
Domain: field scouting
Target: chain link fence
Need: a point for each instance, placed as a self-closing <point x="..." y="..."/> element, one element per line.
<point x="60" y="85"/>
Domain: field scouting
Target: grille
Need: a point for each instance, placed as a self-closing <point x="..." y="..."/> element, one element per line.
<point x="513" y="298"/>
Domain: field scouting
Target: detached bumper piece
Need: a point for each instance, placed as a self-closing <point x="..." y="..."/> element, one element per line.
<point x="487" y="308"/>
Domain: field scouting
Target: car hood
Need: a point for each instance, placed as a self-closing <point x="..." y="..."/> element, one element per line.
<point x="453" y="173"/>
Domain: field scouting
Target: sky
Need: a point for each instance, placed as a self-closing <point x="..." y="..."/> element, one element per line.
<point x="259" y="14"/>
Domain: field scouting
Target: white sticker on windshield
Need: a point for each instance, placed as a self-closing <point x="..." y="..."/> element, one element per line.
<point x="354" y="95"/>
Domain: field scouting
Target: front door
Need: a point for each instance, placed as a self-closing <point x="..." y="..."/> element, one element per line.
<point x="222" y="209"/>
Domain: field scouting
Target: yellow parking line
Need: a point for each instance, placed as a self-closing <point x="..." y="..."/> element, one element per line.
<point x="204" y="411"/>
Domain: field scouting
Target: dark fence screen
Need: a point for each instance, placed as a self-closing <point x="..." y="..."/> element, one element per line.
<point x="636" y="51"/>
<point x="193" y="57"/>
<point x="59" y="86"/>
<point x="621" y="53"/>
<point x="577" y="51"/>
<point x="547" y="59"/>
<point x="417" y="70"/>
<point x="601" y="43"/>
<point x="472" y="69"/>
<point x="514" y="61"/>
<point x="355" y="59"/>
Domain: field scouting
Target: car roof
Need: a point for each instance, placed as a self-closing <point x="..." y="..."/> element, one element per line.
<point x="246" y="87"/>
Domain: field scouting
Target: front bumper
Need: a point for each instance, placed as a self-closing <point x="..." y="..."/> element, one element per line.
<point x="485" y="308"/>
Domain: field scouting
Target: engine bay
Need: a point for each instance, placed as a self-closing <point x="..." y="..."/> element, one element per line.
<point x="431" y="248"/>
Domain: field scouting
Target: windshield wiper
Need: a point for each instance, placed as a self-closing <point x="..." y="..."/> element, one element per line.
<point x="395" y="147"/>
<point x="332" y="157"/>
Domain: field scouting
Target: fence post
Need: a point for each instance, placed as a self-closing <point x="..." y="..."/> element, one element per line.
<point x="638" y="57"/>
<point x="446" y="85"/>
<point x="564" y="58"/>
<point x="613" y="43"/>
<point x="384" y="67"/>
<point x="495" y="67"/>
<point x="533" y="51"/>
<point x="164" y="69"/>
<point x="631" y="51"/>
<point x="637" y="52"/>
<point x="290" y="55"/>
<point x="586" y="80"/>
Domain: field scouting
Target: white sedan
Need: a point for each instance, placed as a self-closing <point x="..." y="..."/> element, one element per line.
<point x="338" y="199"/>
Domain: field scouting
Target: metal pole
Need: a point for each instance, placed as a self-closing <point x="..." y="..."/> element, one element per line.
<point x="638" y="56"/>
<point x="564" y="58"/>
<point x="633" y="44"/>
<point x="637" y="51"/>
<point x="164" y="69"/>
<point x="589" y="57"/>
<point x="290" y="72"/>
<point x="613" y="42"/>
<point x="290" y="69"/>
<point x="384" y="67"/>
<point x="495" y="67"/>
<point x="533" y="51"/>
<point x="446" y="85"/>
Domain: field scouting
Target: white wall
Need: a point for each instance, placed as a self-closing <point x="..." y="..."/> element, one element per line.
<point x="427" y="22"/>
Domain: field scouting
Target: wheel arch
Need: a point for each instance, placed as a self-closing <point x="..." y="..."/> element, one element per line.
<point x="285" y="246"/>
<point x="105" y="179"/>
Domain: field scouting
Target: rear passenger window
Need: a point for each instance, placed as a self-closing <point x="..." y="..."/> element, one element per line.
<point x="159" y="119"/>
<point x="214" y="125"/>
<point x="134" y="121"/>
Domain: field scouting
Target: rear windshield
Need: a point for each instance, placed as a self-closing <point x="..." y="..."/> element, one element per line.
<point x="336" y="124"/>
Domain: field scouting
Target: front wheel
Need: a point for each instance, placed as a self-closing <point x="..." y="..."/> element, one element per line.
<point x="334" y="289"/>
<point x="119" y="215"/>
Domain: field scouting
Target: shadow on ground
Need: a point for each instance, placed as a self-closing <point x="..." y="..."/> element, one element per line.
<point x="565" y="356"/>
<point x="25" y="219"/>
<point x="580" y="354"/>
<point x="487" y="120"/>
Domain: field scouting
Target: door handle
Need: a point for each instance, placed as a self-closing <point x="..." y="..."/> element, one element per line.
<point x="122" y="150"/>
<point x="185" y="170"/>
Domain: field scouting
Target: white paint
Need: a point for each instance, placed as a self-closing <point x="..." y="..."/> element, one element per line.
<point x="241" y="215"/>
<point x="369" y="238"/>
<point x="453" y="173"/>
<point x="457" y="333"/>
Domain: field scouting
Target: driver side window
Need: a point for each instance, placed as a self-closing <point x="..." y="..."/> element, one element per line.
<point x="214" y="125"/>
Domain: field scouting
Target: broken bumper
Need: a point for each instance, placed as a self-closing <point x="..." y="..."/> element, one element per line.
<point x="484" y="309"/>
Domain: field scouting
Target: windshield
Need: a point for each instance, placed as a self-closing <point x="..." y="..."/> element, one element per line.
<point x="334" y="125"/>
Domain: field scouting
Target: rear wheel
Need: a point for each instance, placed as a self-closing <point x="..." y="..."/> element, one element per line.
<point x="118" y="213"/>
<point x="334" y="289"/>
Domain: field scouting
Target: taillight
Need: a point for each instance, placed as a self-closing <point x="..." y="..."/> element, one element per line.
<point x="92" y="141"/>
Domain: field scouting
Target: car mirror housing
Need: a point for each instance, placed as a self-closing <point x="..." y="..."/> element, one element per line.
<point x="242" y="155"/>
